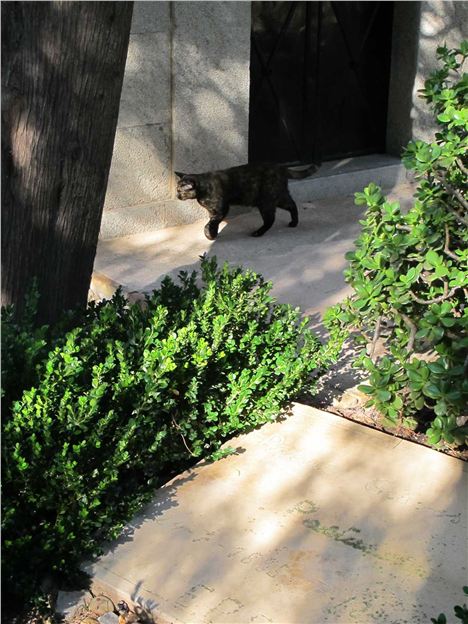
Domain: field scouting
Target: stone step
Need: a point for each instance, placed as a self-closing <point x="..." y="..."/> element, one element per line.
<point x="348" y="176"/>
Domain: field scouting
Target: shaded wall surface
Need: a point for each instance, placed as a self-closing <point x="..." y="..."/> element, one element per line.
<point x="184" y="107"/>
<point x="419" y="28"/>
<point x="441" y="22"/>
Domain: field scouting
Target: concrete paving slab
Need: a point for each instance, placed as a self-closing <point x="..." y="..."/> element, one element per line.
<point x="305" y="263"/>
<point x="315" y="520"/>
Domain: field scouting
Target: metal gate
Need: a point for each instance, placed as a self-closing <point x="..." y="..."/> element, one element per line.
<point x="319" y="79"/>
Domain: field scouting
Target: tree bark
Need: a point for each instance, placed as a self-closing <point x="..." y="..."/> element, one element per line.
<point x="62" y="71"/>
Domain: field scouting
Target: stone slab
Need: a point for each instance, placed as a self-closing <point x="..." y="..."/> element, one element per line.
<point x="109" y="618"/>
<point x="315" y="519"/>
<point x="150" y="16"/>
<point x="139" y="170"/>
<point x="145" y="97"/>
<point x="69" y="601"/>
<point x="148" y="217"/>
<point x="211" y="59"/>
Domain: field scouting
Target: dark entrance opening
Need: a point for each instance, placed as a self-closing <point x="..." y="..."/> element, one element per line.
<point x="319" y="77"/>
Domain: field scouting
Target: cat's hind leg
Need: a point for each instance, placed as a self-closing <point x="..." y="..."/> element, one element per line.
<point x="267" y="210"/>
<point x="288" y="203"/>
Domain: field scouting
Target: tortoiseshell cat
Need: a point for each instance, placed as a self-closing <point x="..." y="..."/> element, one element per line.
<point x="262" y="185"/>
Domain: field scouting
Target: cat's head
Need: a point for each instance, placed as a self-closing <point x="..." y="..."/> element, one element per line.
<point x="186" y="186"/>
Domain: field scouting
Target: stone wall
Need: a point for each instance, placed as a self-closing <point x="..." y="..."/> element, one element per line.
<point x="184" y="106"/>
<point x="141" y="158"/>
<point x="419" y="28"/>
<point x="442" y="22"/>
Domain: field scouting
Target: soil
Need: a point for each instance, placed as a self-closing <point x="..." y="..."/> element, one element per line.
<point x="337" y="393"/>
<point x="349" y="403"/>
<point x="91" y="607"/>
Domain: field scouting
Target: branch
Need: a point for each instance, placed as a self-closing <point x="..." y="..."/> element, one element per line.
<point x="446" y="295"/>
<point x="404" y="228"/>
<point x="446" y="246"/>
<point x="462" y="166"/>
<point x="458" y="215"/>
<point x="458" y="195"/>
<point x="366" y="335"/>
<point x="412" y="327"/>
<point x="455" y="193"/>
<point x="376" y="337"/>
<point x="177" y="426"/>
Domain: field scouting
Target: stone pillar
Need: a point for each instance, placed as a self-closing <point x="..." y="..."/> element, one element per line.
<point x="442" y="22"/>
<point x="405" y="38"/>
<point x="141" y="160"/>
<point x="212" y="81"/>
<point x="419" y="29"/>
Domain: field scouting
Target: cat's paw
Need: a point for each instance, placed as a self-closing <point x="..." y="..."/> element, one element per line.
<point x="210" y="232"/>
<point x="292" y="224"/>
<point x="257" y="233"/>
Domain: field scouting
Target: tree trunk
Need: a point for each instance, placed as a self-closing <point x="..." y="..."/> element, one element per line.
<point x="62" y="71"/>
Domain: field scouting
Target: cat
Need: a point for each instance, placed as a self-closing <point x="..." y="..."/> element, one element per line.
<point x="262" y="185"/>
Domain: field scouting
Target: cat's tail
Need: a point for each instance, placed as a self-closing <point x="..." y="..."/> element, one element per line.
<point x="301" y="171"/>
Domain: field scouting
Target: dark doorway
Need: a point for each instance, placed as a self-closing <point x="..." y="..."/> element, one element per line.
<point x="319" y="78"/>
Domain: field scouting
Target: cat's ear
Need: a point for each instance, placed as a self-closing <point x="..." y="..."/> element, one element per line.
<point x="179" y="174"/>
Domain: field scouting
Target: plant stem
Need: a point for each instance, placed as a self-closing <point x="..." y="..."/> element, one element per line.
<point x="376" y="337"/>
<point x="446" y="295"/>
<point x="447" y="251"/>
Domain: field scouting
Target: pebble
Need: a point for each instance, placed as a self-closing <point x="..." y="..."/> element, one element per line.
<point x="70" y="602"/>
<point x="109" y="618"/>
<point x="89" y="619"/>
<point x="99" y="605"/>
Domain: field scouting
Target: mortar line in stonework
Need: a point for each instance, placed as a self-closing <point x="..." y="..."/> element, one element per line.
<point x="143" y="125"/>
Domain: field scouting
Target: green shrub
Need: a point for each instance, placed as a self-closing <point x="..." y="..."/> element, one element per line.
<point x="130" y="396"/>
<point x="410" y="279"/>
<point x="24" y="346"/>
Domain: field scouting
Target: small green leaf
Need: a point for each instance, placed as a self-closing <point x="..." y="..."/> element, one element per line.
<point x="384" y="395"/>
<point x="433" y="258"/>
<point x="433" y="436"/>
<point x="431" y="390"/>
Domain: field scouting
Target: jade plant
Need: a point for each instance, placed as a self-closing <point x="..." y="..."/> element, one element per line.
<point x="408" y="314"/>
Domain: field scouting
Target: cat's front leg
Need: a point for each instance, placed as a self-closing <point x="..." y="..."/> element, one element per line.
<point x="211" y="229"/>
<point x="217" y="214"/>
